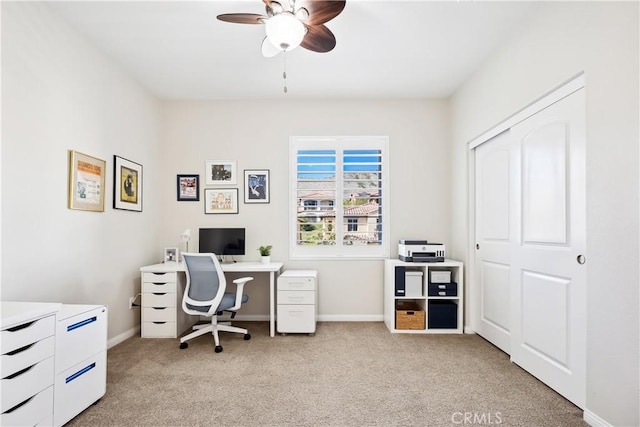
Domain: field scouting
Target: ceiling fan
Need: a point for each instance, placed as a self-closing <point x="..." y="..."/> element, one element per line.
<point x="292" y="23"/>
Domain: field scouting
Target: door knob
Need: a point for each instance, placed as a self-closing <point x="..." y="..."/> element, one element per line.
<point x="581" y="259"/>
<point x="477" y="246"/>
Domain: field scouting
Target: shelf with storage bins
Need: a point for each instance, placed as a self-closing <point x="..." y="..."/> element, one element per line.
<point x="423" y="297"/>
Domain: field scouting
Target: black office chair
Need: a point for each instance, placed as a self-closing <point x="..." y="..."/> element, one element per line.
<point x="205" y="295"/>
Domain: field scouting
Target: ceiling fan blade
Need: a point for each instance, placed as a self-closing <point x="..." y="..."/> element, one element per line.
<point x="318" y="39"/>
<point x="268" y="49"/>
<point x="243" y="18"/>
<point x="320" y="11"/>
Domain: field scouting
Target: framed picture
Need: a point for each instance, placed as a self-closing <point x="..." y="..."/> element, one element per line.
<point x="220" y="172"/>
<point x="171" y="254"/>
<point x="86" y="182"/>
<point x="127" y="184"/>
<point x="256" y="186"/>
<point x="188" y="188"/>
<point x="221" y="201"/>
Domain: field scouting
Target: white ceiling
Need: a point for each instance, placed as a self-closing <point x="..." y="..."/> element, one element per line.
<point x="385" y="49"/>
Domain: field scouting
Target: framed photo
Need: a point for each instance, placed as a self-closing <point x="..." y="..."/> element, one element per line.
<point x="256" y="186"/>
<point x="86" y="182"/>
<point x="221" y="201"/>
<point x="188" y="188"/>
<point x="127" y="184"/>
<point x="171" y="254"/>
<point x="220" y="172"/>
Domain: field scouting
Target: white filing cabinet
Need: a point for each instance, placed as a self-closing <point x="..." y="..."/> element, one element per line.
<point x="81" y="359"/>
<point x="297" y="309"/>
<point x="27" y="363"/>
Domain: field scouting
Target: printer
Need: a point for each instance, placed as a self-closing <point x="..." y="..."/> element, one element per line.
<point x="420" y="251"/>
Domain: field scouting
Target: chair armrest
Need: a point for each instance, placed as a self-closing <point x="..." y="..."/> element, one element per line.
<point x="239" y="290"/>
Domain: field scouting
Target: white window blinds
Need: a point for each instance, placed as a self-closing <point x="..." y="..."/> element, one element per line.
<point x="338" y="197"/>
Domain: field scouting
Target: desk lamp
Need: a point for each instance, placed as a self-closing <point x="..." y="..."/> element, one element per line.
<point x="185" y="237"/>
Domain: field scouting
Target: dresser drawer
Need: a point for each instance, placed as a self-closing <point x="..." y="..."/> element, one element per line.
<point x="159" y="287"/>
<point x="80" y="336"/>
<point x="296" y="283"/>
<point x="158" y="314"/>
<point x="35" y="410"/>
<point x="26" y="383"/>
<point x="296" y="297"/>
<point x="79" y="387"/>
<point x="159" y="299"/>
<point x="159" y="277"/>
<point x="159" y="329"/>
<point x="296" y="318"/>
<point x="28" y="333"/>
<point x="27" y="356"/>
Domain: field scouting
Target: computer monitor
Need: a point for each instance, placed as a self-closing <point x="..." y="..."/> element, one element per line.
<point x="222" y="241"/>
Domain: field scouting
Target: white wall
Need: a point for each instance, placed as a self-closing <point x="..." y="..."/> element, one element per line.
<point x="563" y="39"/>
<point x="60" y="94"/>
<point x="256" y="135"/>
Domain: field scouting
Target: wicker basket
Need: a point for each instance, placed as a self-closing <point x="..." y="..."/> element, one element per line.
<point x="409" y="315"/>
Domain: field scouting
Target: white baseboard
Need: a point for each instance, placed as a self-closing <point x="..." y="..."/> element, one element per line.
<point x="469" y="330"/>
<point x="594" y="420"/>
<point x="350" y="318"/>
<point x="123" y="336"/>
<point x="321" y="318"/>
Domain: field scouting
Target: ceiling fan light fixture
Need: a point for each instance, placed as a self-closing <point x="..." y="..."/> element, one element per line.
<point x="285" y="31"/>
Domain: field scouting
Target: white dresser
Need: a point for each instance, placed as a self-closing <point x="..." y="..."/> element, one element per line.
<point x="54" y="361"/>
<point x="28" y="363"/>
<point x="81" y="359"/>
<point x="297" y="309"/>
<point x="162" y="315"/>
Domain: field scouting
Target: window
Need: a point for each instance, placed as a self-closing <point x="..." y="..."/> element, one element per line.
<point x="338" y="197"/>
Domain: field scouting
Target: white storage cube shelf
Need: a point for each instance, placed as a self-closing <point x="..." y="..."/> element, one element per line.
<point x="437" y="287"/>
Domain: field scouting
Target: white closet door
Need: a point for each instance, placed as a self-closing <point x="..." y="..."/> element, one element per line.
<point x="548" y="281"/>
<point x="492" y="258"/>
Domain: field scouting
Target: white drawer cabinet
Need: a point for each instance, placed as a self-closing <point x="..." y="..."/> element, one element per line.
<point x="297" y="309"/>
<point x="162" y="315"/>
<point x="81" y="359"/>
<point x="28" y="368"/>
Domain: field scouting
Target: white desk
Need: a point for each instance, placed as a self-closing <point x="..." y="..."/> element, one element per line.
<point x="237" y="267"/>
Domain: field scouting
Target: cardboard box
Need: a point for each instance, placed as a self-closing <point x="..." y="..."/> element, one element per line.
<point x="413" y="284"/>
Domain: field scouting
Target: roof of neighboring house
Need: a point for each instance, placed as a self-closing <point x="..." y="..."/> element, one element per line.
<point x="361" y="210"/>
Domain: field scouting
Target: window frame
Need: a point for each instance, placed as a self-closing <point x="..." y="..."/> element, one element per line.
<point x="339" y="250"/>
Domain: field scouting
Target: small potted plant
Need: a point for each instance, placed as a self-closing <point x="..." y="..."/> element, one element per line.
<point x="265" y="252"/>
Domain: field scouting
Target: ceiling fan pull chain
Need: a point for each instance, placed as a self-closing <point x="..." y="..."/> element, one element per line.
<point x="284" y="73"/>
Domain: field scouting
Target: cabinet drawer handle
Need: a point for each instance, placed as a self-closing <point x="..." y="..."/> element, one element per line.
<point x="80" y="372"/>
<point x="19" y="327"/>
<point x="19" y="405"/>
<point x="20" y="350"/>
<point x="159" y="308"/>
<point x="159" y="323"/>
<point x="17" y="374"/>
<point x="159" y="293"/>
<point x="82" y="323"/>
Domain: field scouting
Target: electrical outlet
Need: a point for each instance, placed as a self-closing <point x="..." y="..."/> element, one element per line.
<point x="131" y="300"/>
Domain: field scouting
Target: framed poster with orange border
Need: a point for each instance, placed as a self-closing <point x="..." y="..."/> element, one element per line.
<point x="86" y="182"/>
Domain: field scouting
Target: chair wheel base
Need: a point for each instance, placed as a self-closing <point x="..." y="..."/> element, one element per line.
<point x="247" y="337"/>
<point x="218" y="349"/>
<point x="183" y="345"/>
